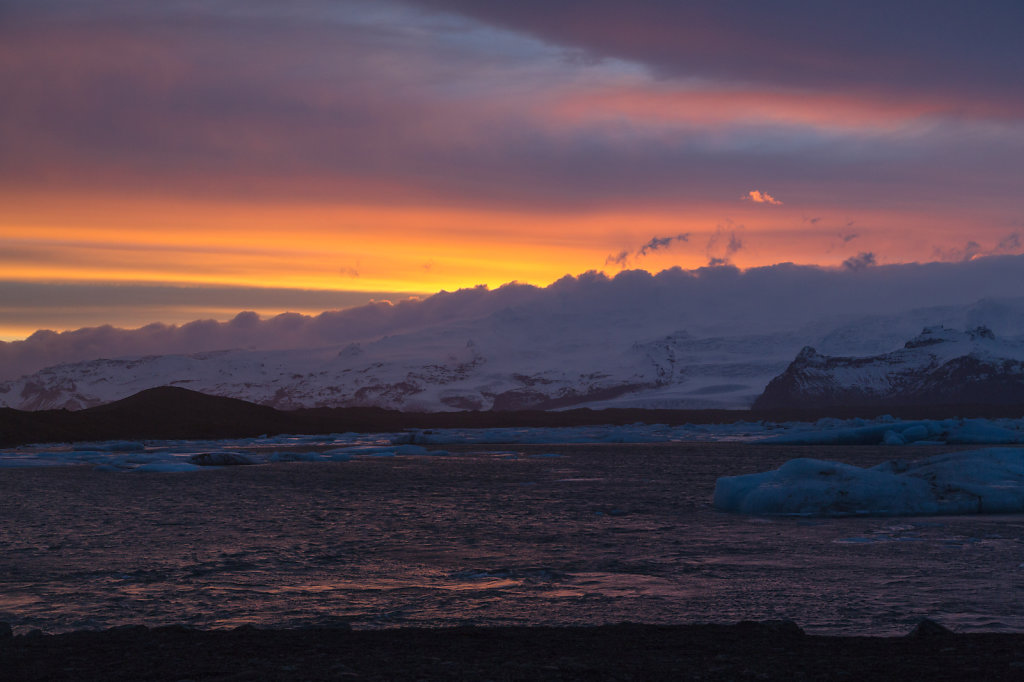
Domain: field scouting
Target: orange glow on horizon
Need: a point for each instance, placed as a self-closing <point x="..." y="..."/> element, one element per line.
<point x="318" y="247"/>
<point x="424" y="249"/>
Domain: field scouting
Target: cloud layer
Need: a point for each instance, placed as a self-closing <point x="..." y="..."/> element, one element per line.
<point x="708" y="301"/>
<point x="957" y="51"/>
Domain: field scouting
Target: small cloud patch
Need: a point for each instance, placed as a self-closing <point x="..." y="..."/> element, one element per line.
<point x="862" y="261"/>
<point x="759" y="197"/>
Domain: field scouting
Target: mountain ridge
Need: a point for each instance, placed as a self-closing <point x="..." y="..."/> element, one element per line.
<point x="548" y="358"/>
<point x="938" y="366"/>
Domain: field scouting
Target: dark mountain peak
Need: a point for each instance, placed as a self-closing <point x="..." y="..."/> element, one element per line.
<point x="806" y="356"/>
<point x="177" y="398"/>
<point x="939" y="366"/>
<point x="175" y="412"/>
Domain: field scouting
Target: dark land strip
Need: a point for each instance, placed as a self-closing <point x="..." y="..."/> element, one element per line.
<point x="746" y="651"/>
<point x="177" y="413"/>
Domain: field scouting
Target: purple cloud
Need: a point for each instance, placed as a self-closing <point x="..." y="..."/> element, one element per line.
<point x="958" y="51"/>
<point x="707" y="300"/>
<point x="862" y="261"/>
<point x="656" y="243"/>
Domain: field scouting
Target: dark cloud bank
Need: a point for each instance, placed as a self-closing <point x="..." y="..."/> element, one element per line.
<point x="713" y="300"/>
<point x="301" y="101"/>
<point x="960" y="50"/>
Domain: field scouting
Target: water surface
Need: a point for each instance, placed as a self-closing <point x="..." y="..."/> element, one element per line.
<point x="523" y="534"/>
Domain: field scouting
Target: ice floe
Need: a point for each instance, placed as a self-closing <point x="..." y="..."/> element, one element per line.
<point x="341" y="447"/>
<point x="223" y="458"/>
<point x="987" y="481"/>
<point x="889" y="431"/>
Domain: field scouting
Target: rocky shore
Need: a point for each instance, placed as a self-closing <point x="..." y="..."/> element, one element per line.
<point x="745" y="651"/>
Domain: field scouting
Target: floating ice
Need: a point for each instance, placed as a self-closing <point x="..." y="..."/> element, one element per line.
<point x="889" y="431"/>
<point x="295" y="457"/>
<point x="338" y="455"/>
<point x="28" y="462"/>
<point x="222" y="458"/>
<point x="977" y="482"/>
<point x="168" y="467"/>
<point x="340" y="447"/>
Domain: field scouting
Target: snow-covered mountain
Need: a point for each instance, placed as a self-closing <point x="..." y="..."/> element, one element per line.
<point x="939" y="366"/>
<point x="557" y="351"/>
<point x="440" y="373"/>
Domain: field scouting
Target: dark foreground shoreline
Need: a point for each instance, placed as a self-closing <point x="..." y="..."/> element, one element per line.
<point x="746" y="651"/>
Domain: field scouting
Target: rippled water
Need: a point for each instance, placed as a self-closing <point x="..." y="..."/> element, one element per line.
<point x="597" y="534"/>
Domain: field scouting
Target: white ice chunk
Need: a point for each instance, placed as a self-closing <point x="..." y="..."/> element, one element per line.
<point x="409" y="450"/>
<point x="893" y="438"/>
<point x="916" y="432"/>
<point x="168" y="467"/>
<point x="981" y="481"/>
<point x="977" y="431"/>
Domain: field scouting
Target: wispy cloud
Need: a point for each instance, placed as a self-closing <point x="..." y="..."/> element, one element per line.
<point x="841" y="240"/>
<point x="1011" y="244"/>
<point x="620" y="258"/>
<point x="723" y="243"/>
<point x="662" y="242"/>
<point x="656" y="243"/>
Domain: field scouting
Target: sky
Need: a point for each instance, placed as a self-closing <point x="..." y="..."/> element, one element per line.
<point x="190" y="159"/>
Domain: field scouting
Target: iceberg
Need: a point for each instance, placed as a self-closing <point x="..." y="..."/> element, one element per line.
<point x="989" y="481"/>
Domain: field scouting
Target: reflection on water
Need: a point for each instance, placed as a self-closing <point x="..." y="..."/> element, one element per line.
<point x="600" y="534"/>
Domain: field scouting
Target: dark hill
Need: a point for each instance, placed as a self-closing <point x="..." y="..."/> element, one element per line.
<point x="158" y="413"/>
<point x="173" y="412"/>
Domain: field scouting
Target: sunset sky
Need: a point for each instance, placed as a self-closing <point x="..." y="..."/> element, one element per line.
<point x="169" y="161"/>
